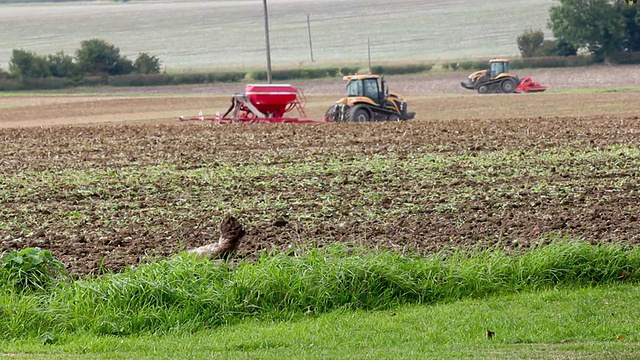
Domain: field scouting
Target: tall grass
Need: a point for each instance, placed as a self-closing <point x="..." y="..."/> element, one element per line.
<point x="184" y="294"/>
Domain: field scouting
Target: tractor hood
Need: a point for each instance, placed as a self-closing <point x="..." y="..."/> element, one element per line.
<point x="473" y="79"/>
<point x="355" y="100"/>
<point x="474" y="76"/>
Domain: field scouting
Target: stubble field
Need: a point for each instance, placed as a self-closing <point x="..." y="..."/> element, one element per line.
<point x="106" y="180"/>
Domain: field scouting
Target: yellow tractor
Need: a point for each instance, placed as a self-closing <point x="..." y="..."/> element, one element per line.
<point x="368" y="99"/>
<point x="497" y="79"/>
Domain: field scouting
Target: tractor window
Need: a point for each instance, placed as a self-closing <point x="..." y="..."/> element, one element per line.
<point x="371" y="89"/>
<point x="498" y="68"/>
<point x="354" y="88"/>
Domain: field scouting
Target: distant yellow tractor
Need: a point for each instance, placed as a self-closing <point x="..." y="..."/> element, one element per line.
<point x="498" y="79"/>
<point x="368" y="99"/>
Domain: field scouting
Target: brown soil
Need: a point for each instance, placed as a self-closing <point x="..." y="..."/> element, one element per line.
<point x="130" y="132"/>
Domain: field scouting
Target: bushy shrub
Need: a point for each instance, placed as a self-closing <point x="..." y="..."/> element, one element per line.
<point x="98" y="57"/>
<point x="11" y="85"/>
<point x="91" y="81"/>
<point x="195" y="78"/>
<point x="26" y="64"/>
<point x="62" y="65"/>
<point x="146" y="64"/>
<point x="563" y="48"/>
<point x="349" y="70"/>
<point x="281" y="75"/>
<point x="467" y="65"/>
<point x="226" y="77"/>
<point x="140" y="80"/>
<point x="258" y="75"/>
<point x="48" y="83"/>
<point x="30" y="269"/>
<point x="625" y="58"/>
<point x="529" y="42"/>
<point x="4" y="75"/>
<point x="480" y="65"/>
<point x="35" y="84"/>
<point x="553" y="62"/>
<point x="555" y="48"/>
<point x="290" y="74"/>
<point x="401" y="69"/>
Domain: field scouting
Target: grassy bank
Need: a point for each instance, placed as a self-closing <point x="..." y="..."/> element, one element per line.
<point x="184" y="295"/>
<point x="539" y="304"/>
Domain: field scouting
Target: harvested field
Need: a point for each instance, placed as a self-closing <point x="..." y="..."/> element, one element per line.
<point x="469" y="171"/>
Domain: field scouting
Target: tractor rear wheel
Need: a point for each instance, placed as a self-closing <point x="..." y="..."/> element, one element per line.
<point x="508" y="86"/>
<point x="359" y="114"/>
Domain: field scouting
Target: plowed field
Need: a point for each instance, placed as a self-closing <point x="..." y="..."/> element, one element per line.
<point x="469" y="171"/>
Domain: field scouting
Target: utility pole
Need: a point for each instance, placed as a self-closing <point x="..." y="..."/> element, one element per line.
<point x="266" y="35"/>
<point x="369" y="51"/>
<point x="310" y="44"/>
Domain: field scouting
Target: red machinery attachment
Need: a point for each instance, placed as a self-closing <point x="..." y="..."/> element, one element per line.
<point x="265" y="103"/>
<point x="528" y="85"/>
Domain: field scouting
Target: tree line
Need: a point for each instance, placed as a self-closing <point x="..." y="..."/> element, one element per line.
<point x="602" y="28"/>
<point x="95" y="57"/>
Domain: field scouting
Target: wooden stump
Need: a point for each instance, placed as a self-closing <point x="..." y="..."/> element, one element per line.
<point x="231" y="232"/>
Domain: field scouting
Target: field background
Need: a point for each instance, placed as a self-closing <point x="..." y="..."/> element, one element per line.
<point x="188" y="35"/>
<point x="107" y="178"/>
<point x="584" y="91"/>
<point x="67" y="204"/>
<point x="469" y="170"/>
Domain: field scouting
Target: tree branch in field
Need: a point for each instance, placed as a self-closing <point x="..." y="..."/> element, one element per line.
<point x="231" y="232"/>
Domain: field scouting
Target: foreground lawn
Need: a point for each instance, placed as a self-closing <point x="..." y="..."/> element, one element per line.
<point x="584" y="323"/>
<point x="565" y="300"/>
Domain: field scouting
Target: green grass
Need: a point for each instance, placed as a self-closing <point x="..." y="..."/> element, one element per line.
<point x="185" y="295"/>
<point x="598" y="90"/>
<point x="566" y="323"/>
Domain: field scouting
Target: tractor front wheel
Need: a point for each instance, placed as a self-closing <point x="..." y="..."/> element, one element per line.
<point x="359" y="114"/>
<point x="332" y="114"/>
<point x="483" y="89"/>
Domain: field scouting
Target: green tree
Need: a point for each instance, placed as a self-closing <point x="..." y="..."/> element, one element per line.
<point x="556" y="48"/>
<point x="98" y="57"/>
<point x="529" y="42"/>
<point x="564" y="48"/>
<point x="61" y="65"/>
<point x="26" y="64"/>
<point x="597" y="26"/>
<point x="146" y="64"/>
<point x="632" y="23"/>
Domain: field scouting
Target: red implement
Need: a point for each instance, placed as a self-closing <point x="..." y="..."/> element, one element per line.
<point x="528" y="85"/>
<point x="262" y="103"/>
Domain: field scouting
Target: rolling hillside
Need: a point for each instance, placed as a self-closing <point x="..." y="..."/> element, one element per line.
<point x="230" y="34"/>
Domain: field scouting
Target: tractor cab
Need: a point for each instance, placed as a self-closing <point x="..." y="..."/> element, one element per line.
<point x="497" y="67"/>
<point x="369" y="86"/>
